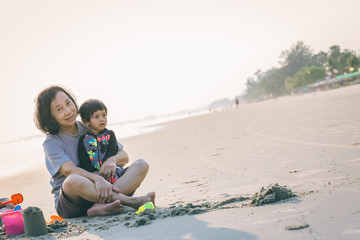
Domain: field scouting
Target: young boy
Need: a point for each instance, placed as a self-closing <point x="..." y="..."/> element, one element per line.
<point x="99" y="143"/>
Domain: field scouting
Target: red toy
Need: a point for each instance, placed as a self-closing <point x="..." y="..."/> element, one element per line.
<point x="16" y="199"/>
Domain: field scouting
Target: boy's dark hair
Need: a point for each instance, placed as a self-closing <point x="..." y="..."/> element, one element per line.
<point x="89" y="107"/>
<point x="42" y="116"/>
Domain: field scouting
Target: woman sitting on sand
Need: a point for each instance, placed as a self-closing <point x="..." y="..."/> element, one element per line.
<point x="78" y="192"/>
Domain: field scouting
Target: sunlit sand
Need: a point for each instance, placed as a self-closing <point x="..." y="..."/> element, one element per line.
<point x="309" y="143"/>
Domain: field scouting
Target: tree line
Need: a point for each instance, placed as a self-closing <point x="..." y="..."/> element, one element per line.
<point x="299" y="66"/>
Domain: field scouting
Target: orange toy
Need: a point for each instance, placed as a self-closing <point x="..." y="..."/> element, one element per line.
<point x="54" y="218"/>
<point x="16" y="199"/>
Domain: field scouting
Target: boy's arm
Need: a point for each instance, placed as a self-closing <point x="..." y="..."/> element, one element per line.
<point x="113" y="146"/>
<point x="121" y="158"/>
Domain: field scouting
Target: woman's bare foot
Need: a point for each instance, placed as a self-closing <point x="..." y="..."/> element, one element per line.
<point x="104" y="209"/>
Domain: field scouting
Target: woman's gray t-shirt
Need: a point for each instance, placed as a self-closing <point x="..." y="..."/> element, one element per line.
<point x="58" y="149"/>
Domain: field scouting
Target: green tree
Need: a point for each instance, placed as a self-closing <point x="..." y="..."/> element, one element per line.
<point x="300" y="55"/>
<point x="253" y="90"/>
<point x="299" y="67"/>
<point x="320" y="59"/>
<point x="349" y="59"/>
<point x="273" y="82"/>
<point x="305" y="76"/>
<point x="342" y="61"/>
<point x="334" y="58"/>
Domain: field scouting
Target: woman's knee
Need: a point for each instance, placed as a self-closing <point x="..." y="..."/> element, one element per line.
<point x="142" y="165"/>
<point x="73" y="183"/>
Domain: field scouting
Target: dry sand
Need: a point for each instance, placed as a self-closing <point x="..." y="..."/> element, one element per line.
<point x="206" y="169"/>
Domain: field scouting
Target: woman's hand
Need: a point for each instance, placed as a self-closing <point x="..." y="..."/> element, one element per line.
<point x="105" y="190"/>
<point x="108" y="168"/>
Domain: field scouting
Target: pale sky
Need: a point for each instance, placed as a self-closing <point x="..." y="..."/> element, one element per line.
<point x="153" y="57"/>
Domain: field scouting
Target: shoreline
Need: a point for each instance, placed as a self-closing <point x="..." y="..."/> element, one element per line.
<point x="33" y="144"/>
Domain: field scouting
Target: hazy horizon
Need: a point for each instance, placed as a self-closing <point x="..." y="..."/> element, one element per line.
<point x="152" y="58"/>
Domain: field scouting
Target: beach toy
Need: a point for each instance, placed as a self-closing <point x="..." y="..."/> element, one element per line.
<point x="148" y="205"/>
<point x="34" y="222"/>
<point x="13" y="222"/>
<point x="54" y="218"/>
<point x="17" y="208"/>
<point x="16" y="199"/>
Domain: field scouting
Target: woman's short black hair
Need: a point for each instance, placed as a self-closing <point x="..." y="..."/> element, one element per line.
<point x="42" y="116"/>
<point x="89" y="107"/>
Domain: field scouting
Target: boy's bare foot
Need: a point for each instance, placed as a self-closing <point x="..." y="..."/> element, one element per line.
<point x="136" y="202"/>
<point x="151" y="197"/>
<point x="104" y="209"/>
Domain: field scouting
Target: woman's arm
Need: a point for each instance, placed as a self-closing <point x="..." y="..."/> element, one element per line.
<point x="69" y="167"/>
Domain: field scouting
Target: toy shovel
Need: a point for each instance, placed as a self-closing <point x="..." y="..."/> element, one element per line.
<point x="146" y="207"/>
<point x="16" y="199"/>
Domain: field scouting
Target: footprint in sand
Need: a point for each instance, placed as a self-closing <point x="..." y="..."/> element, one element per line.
<point x="214" y="155"/>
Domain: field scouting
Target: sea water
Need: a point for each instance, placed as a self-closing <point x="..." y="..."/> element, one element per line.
<point x="23" y="153"/>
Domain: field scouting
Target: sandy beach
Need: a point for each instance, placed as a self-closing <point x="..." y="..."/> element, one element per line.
<point x="206" y="170"/>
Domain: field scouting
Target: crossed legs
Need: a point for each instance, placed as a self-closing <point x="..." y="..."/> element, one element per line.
<point x="77" y="187"/>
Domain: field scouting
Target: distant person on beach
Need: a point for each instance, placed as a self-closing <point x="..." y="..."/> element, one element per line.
<point x="78" y="192"/>
<point x="99" y="143"/>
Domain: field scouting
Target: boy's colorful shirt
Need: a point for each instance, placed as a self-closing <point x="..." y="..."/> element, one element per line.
<point x="94" y="150"/>
<point x="97" y="147"/>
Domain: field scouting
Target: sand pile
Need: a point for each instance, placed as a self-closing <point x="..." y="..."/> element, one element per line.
<point x="271" y="194"/>
<point x="34" y="222"/>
